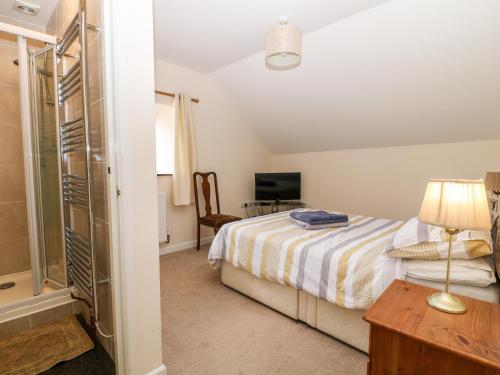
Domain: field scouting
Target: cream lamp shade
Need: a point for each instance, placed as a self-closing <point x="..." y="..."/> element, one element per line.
<point x="283" y="47"/>
<point x="492" y="182"/>
<point x="456" y="204"/>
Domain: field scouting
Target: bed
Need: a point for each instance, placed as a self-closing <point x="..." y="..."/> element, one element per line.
<point x="325" y="278"/>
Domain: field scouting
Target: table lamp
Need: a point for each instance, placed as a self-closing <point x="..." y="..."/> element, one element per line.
<point x="492" y="183"/>
<point x="455" y="205"/>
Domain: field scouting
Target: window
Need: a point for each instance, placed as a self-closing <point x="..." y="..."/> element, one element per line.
<point x="164" y="122"/>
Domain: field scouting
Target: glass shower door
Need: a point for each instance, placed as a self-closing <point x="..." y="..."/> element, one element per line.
<point x="47" y="161"/>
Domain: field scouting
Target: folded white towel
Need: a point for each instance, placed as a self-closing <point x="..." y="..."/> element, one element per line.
<point x="321" y="226"/>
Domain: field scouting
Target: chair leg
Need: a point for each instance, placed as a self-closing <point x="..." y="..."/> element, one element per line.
<point x="198" y="238"/>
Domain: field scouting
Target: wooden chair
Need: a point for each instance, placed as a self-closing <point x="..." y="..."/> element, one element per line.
<point x="214" y="221"/>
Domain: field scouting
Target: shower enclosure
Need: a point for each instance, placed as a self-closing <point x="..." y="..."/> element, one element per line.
<point x="54" y="224"/>
<point x="52" y="216"/>
<point x="37" y="111"/>
<point x="31" y="243"/>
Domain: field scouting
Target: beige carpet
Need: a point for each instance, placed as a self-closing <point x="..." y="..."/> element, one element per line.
<point x="211" y="329"/>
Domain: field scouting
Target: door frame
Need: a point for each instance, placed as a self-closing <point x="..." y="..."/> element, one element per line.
<point x="129" y="63"/>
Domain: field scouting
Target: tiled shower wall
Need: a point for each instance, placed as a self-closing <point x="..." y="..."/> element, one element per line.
<point x="61" y="18"/>
<point x="14" y="241"/>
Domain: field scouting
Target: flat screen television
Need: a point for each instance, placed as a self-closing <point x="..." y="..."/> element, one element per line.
<point x="277" y="186"/>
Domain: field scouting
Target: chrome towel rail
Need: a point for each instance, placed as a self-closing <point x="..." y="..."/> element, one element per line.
<point x="79" y="258"/>
<point x="72" y="73"/>
<point x="73" y="136"/>
<point x="74" y="127"/>
<point x="75" y="191"/>
<point x="69" y="36"/>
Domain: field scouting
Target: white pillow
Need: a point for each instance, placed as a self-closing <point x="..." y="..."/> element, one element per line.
<point x="417" y="240"/>
<point x="474" y="272"/>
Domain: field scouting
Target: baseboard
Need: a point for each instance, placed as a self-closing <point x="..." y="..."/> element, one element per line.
<point x="160" y="370"/>
<point x="164" y="250"/>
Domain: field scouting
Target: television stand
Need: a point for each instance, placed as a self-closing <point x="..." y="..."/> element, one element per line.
<point x="276" y="206"/>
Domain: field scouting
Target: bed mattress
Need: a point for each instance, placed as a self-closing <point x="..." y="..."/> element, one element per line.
<point x="345" y="266"/>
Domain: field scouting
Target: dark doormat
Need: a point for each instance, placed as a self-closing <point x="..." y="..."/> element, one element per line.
<point x="93" y="362"/>
<point x="38" y="349"/>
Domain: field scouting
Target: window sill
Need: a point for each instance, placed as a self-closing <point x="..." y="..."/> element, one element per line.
<point x="163" y="174"/>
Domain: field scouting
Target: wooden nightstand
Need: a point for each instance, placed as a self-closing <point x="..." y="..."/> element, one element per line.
<point x="409" y="337"/>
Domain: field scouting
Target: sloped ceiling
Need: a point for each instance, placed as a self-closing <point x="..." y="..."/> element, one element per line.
<point x="403" y="72"/>
<point x="207" y="34"/>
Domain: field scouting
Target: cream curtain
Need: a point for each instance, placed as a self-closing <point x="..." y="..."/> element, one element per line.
<point x="184" y="151"/>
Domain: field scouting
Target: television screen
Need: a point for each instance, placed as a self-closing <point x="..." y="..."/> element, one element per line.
<point x="277" y="186"/>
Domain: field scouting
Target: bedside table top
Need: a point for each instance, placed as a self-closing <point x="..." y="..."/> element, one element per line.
<point x="475" y="335"/>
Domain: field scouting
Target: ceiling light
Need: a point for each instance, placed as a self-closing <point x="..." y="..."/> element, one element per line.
<point x="26" y="8"/>
<point x="283" y="46"/>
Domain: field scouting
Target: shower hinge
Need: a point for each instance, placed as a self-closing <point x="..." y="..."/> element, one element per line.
<point x="118" y="192"/>
<point x="93" y="27"/>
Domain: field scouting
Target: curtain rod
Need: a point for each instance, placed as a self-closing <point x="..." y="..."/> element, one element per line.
<point x="195" y="100"/>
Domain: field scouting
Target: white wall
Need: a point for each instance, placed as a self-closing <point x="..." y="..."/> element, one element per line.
<point x="224" y="143"/>
<point x="130" y="98"/>
<point x="385" y="182"/>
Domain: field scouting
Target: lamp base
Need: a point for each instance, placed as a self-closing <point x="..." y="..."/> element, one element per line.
<point x="446" y="302"/>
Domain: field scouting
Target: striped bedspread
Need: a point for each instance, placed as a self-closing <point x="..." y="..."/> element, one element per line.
<point x="344" y="266"/>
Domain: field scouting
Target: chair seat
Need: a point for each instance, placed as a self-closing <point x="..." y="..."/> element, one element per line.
<point x="218" y="220"/>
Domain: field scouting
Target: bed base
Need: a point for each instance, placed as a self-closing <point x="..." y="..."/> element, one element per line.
<point x="344" y="324"/>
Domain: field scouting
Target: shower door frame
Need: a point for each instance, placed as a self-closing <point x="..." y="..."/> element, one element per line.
<point x="43" y="273"/>
<point x="22" y="35"/>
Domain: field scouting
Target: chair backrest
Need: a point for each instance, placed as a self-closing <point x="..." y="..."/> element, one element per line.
<point x="206" y="190"/>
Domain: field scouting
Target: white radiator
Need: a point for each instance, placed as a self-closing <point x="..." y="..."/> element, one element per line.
<point x="162" y="217"/>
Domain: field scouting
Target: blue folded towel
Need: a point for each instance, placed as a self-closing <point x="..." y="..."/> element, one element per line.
<point x="318" y="217"/>
<point x="306" y="226"/>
